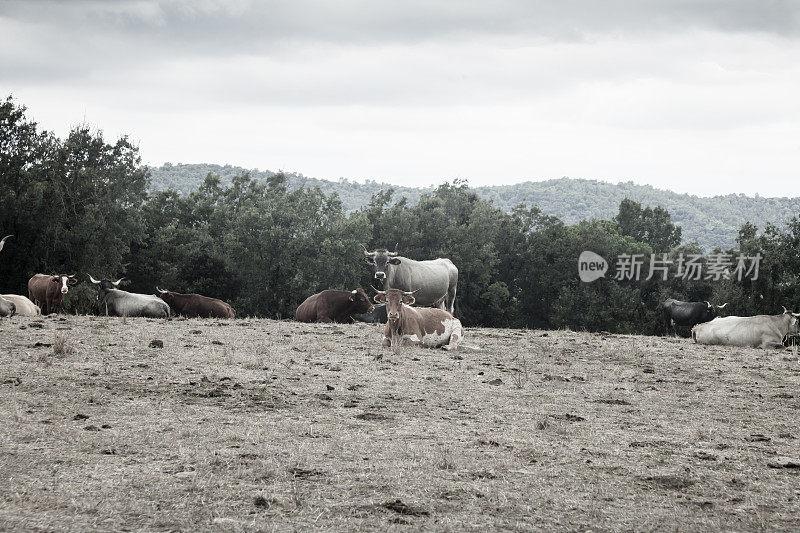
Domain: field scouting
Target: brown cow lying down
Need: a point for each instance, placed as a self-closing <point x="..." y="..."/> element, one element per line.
<point x="196" y="305"/>
<point x="432" y="328"/>
<point x="333" y="306"/>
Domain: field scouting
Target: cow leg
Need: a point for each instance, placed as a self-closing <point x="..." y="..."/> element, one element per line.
<point x="455" y="336"/>
<point x="451" y="300"/>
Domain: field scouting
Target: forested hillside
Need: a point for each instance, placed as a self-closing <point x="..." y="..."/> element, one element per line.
<point x="709" y="221"/>
<point x="82" y="205"/>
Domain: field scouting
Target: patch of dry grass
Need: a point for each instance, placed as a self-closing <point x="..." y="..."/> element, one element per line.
<point x="260" y="425"/>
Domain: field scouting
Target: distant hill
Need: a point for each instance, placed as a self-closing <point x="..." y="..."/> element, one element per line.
<point x="711" y="221"/>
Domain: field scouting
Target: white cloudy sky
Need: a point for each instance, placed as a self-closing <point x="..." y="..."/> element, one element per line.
<point x="694" y="96"/>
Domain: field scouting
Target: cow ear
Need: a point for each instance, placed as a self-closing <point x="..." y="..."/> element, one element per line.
<point x="55" y="279"/>
<point x="379" y="298"/>
<point x="394" y="261"/>
<point x="368" y="259"/>
<point x="72" y="281"/>
<point x="408" y="299"/>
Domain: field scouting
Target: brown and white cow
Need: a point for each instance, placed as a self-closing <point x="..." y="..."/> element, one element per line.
<point x="333" y="306"/>
<point x="48" y="291"/>
<point x="411" y="326"/>
<point x="196" y="305"/>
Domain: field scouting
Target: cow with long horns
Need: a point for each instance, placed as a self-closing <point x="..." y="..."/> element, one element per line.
<point x="114" y="301"/>
<point x="48" y="291"/>
<point x="411" y="326"/>
<point x="433" y="281"/>
<point x="196" y="305"/>
<point x="688" y="314"/>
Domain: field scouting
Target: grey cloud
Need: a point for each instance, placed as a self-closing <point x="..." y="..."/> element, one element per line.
<point x="242" y="25"/>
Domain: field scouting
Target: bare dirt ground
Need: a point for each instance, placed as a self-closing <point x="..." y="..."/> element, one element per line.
<point x="247" y="425"/>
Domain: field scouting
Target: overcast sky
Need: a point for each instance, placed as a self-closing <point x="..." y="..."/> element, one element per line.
<point x="691" y="96"/>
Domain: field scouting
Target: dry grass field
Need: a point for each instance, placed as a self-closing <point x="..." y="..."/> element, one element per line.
<point x="259" y="425"/>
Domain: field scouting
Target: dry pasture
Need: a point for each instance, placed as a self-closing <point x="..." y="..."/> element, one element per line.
<point x="260" y="425"/>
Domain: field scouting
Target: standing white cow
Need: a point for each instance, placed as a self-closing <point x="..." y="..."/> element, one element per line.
<point x="761" y="331"/>
<point x="433" y="282"/>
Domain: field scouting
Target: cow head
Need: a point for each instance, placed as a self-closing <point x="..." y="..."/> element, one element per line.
<point x="381" y="259"/>
<point x="104" y="285"/>
<point x="713" y="310"/>
<point x="167" y="296"/>
<point x="394" y="300"/>
<point x="64" y="281"/>
<point x="794" y="329"/>
<point x="359" y="302"/>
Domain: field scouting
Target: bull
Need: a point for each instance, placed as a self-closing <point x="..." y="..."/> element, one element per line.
<point x="434" y="281"/>
<point x="333" y="306"/>
<point x="689" y="314"/>
<point x="24" y="306"/>
<point x="411" y="326"/>
<point x="48" y="291"/>
<point x="114" y="301"/>
<point x="761" y="331"/>
<point x="196" y="305"/>
<point x="7" y="307"/>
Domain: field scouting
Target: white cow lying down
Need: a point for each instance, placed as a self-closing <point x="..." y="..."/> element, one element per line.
<point x="759" y="331"/>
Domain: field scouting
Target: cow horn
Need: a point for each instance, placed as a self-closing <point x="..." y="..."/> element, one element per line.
<point x="784" y="309"/>
<point x="377" y="291"/>
<point x="721" y="306"/>
<point x="367" y="253"/>
<point x="796" y="315"/>
<point x="393" y="254"/>
<point x="92" y="279"/>
<point x="708" y="303"/>
<point x="116" y="283"/>
<point x="410" y="293"/>
<point x="3" y="241"/>
<point x="159" y="290"/>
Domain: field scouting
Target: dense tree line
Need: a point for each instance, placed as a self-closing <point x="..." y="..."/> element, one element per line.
<point x="83" y="205"/>
<point x="709" y="221"/>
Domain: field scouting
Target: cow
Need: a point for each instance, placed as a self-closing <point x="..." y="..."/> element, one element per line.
<point x="333" y="306"/>
<point x="761" y="331"/>
<point x="377" y="316"/>
<point x="196" y="305"/>
<point x="48" y="291"/>
<point x="7" y="307"/>
<point x="434" y="281"/>
<point x="3" y="241"/>
<point x="24" y="306"/>
<point x="114" y="301"/>
<point x="411" y="326"/>
<point x="678" y="313"/>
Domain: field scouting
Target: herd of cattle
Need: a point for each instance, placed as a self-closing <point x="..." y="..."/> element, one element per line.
<point x="434" y="283"/>
<point x="417" y="306"/>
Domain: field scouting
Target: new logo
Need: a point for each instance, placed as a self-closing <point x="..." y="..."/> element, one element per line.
<point x="591" y="266"/>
